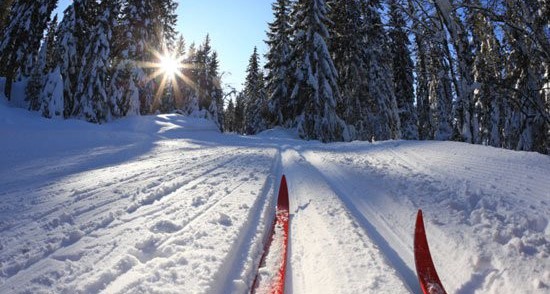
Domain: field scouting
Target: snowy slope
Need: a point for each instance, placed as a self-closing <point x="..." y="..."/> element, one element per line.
<point x="168" y="204"/>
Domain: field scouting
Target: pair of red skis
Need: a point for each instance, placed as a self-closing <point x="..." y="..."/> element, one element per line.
<point x="425" y="269"/>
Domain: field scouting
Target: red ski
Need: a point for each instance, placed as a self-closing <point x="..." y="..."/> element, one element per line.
<point x="425" y="269"/>
<point x="271" y="273"/>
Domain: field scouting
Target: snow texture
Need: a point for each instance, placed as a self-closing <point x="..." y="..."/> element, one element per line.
<point x="167" y="204"/>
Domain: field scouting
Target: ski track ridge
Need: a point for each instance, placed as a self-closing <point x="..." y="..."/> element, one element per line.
<point x="407" y="275"/>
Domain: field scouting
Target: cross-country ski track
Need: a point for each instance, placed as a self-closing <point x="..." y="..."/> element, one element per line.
<point x="166" y="204"/>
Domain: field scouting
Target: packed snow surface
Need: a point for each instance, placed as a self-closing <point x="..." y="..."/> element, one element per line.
<point x="167" y="204"/>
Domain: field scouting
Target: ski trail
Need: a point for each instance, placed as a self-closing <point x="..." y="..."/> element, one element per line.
<point x="237" y="275"/>
<point x="94" y="218"/>
<point x="375" y="225"/>
<point x="329" y="251"/>
<point x="201" y="189"/>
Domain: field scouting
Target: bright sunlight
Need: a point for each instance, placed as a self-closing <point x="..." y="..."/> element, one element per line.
<point x="170" y="66"/>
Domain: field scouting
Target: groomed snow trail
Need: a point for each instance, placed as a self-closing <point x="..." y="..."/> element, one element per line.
<point x="329" y="251"/>
<point x="167" y="204"/>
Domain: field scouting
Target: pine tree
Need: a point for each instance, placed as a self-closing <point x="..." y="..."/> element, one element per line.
<point x="5" y="7"/>
<point x="73" y="35"/>
<point x="229" y="117"/>
<point x="403" y="67"/>
<point x="239" y="113"/>
<point x="215" y="91"/>
<point x="315" y="90"/>
<point x="36" y="81"/>
<point x="256" y="101"/>
<point x="52" y="94"/>
<point x="383" y="104"/>
<point x="47" y="61"/>
<point x="20" y="39"/>
<point x="464" y="82"/>
<point x="94" y="75"/>
<point x="348" y="48"/>
<point x="526" y="126"/>
<point x="277" y="65"/>
<point x="488" y="98"/>
<point x="181" y="83"/>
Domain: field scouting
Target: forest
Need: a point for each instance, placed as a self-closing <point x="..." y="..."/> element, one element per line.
<point x="464" y="70"/>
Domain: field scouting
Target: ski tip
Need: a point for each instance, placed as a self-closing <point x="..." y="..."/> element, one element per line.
<point x="419" y="227"/>
<point x="282" y="201"/>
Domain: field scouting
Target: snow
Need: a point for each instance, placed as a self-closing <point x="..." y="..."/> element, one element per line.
<point x="167" y="204"/>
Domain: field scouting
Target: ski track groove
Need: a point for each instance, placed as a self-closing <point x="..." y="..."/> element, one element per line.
<point x="244" y="270"/>
<point x="329" y="211"/>
<point x="405" y="273"/>
<point x="10" y="271"/>
<point x="175" y="238"/>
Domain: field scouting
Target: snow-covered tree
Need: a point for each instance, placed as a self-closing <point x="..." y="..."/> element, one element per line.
<point x="52" y="94"/>
<point x="489" y="100"/>
<point x="5" y="7"/>
<point x="256" y="100"/>
<point x="36" y="81"/>
<point x="315" y="89"/>
<point x="348" y="48"/>
<point x="383" y="105"/>
<point x="229" y="117"/>
<point x="277" y="65"/>
<point x="239" y="117"/>
<point x="73" y="35"/>
<point x="94" y="75"/>
<point x="403" y="79"/>
<point x="21" y="36"/>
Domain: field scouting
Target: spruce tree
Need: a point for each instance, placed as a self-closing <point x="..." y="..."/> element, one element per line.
<point x="20" y="38"/>
<point x="239" y="113"/>
<point x="403" y="67"/>
<point x="254" y="91"/>
<point x="315" y="89"/>
<point x="385" y="121"/>
<point x="489" y="100"/>
<point x="5" y="8"/>
<point x="73" y="35"/>
<point x="277" y="65"/>
<point x="215" y="91"/>
<point x="229" y="117"/>
<point x="36" y="81"/>
<point x="94" y="75"/>
<point x="348" y="48"/>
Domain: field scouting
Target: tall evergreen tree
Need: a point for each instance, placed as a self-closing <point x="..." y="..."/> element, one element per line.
<point x="94" y="75"/>
<point x="256" y="101"/>
<point x="425" y="125"/>
<point x="215" y="90"/>
<point x="403" y="67"/>
<point x="229" y="117"/>
<point x="47" y="61"/>
<point x="526" y="125"/>
<point x="385" y="122"/>
<point x="489" y="98"/>
<point x="73" y="33"/>
<point x="239" y="117"/>
<point x="315" y="90"/>
<point x="348" y="48"/>
<point x="5" y="7"/>
<point x="277" y="65"/>
<point x="20" y="39"/>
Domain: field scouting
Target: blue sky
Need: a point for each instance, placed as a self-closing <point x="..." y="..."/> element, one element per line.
<point x="235" y="27"/>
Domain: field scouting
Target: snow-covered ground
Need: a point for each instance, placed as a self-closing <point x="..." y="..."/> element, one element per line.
<point x="168" y="204"/>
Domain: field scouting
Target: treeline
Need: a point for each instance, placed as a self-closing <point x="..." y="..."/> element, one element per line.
<point x="100" y="61"/>
<point x="336" y="70"/>
<point x="465" y="70"/>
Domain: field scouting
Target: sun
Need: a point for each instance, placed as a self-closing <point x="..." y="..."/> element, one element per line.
<point x="167" y="74"/>
<point x="169" y="65"/>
